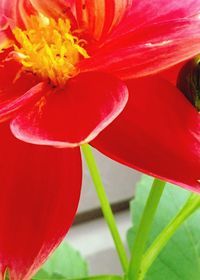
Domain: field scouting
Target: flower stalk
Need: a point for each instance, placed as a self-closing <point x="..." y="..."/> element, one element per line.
<point x="105" y="205"/>
<point x="144" y="229"/>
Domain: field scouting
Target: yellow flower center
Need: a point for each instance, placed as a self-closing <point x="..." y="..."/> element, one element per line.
<point x="49" y="49"/>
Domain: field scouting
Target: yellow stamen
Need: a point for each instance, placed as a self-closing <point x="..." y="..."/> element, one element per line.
<point x="49" y="49"/>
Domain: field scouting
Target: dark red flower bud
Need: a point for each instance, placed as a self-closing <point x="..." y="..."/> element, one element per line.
<point x="188" y="82"/>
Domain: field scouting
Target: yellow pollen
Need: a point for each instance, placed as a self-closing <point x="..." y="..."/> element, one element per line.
<point x="49" y="49"/>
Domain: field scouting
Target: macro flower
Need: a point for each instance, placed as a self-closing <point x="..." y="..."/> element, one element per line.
<point x="67" y="69"/>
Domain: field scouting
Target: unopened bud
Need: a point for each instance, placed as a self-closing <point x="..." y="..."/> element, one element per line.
<point x="188" y="82"/>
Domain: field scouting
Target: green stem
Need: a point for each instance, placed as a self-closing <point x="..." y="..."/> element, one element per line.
<point x="191" y="205"/>
<point x="105" y="206"/>
<point x="144" y="228"/>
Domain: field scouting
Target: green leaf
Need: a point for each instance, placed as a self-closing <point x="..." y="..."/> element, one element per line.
<point x="180" y="259"/>
<point x="103" y="277"/>
<point x="98" y="277"/>
<point x="65" y="262"/>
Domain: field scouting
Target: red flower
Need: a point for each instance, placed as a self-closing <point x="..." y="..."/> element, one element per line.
<point x="63" y="71"/>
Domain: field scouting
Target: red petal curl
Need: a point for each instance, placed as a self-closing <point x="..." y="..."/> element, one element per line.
<point x="158" y="133"/>
<point x="10" y="108"/>
<point x="16" y="88"/>
<point x="39" y="194"/>
<point x="74" y="115"/>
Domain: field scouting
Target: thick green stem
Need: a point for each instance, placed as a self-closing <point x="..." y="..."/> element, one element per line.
<point x="105" y="205"/>
<point x="144" y="229"/>
<point x="191" y="205"/>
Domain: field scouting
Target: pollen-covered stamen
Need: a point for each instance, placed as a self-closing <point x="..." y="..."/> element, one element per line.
<point x="49" y="49"/>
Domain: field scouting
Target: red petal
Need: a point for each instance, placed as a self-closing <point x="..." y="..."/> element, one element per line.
<point x="75" y="115"/>
<point x="155" y="35"/>
<point x="17" y="10"/>
<point x="100" y="17"/>
<point x="157" y="133"/>
<point x="16" y="91"/>
<point x="39" y="193"/>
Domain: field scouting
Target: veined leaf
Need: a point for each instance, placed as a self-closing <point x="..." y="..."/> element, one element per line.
<point x="65" y="262"/>
<point x="180" y="259"/>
